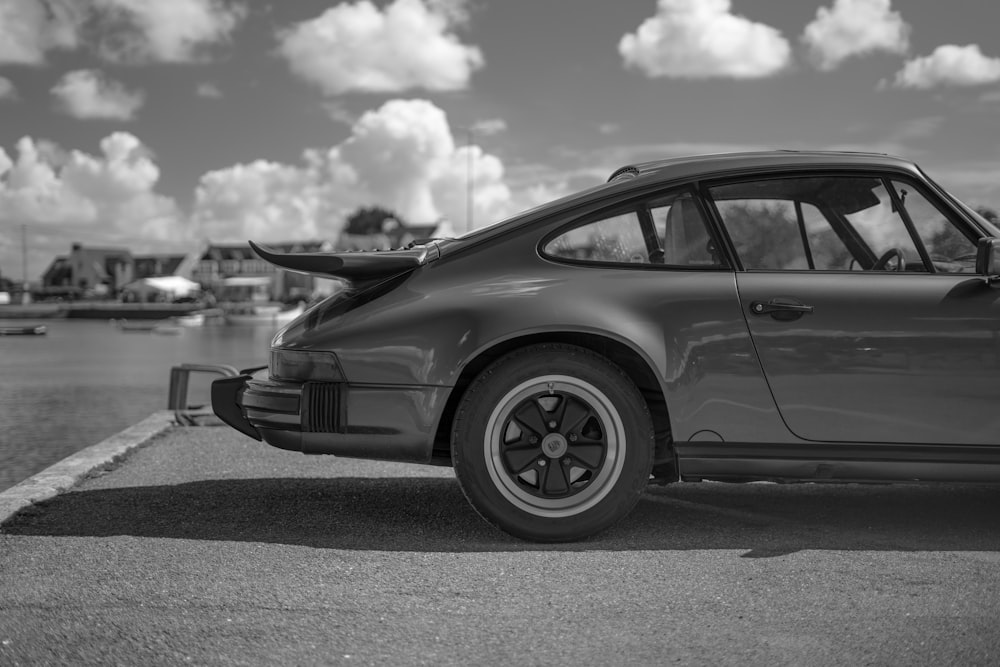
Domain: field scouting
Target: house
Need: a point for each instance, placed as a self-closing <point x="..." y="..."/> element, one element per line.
<point x="234" y="272"/>
<point x="87" y="270"/>
<point x="151" y="266"/>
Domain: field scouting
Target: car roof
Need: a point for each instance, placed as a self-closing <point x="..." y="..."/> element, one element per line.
<point x="696" y="166"/>
<point x="639" y="175"/>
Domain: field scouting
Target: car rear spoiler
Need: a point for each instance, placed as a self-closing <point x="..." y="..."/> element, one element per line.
<point x="354" y="265"/>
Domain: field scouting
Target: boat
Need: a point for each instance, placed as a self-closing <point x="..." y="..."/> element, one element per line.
<point x="24" y="330"/>
<point x="147" y="326"/>
<point x="263" y="313"/>
<point x="197" y="318"/>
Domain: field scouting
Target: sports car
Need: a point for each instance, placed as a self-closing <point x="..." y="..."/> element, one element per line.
<point x="783" y="316"/>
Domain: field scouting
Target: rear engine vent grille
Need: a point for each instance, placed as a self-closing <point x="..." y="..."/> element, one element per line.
<point x="322" y="407"/>
<point x="623" y="174"/>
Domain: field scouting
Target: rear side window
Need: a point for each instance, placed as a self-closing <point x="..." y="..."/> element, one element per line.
<point x="682" y="234"/>
<point x="617" y="239"/>
<point x="667" y="231"/>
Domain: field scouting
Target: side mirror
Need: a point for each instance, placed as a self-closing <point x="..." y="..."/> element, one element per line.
<point x="988" y="259"/>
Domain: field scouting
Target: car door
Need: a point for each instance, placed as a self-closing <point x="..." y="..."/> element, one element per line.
<point x="862" y="301"/>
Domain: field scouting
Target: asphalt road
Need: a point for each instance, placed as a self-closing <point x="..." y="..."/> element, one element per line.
<point x="206" y="547"/>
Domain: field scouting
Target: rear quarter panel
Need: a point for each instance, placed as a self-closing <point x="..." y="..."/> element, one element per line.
<point x="686" y="325"/>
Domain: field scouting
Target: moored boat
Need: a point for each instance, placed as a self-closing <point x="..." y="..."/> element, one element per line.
<point x="24" y="330"/>
<point x="263" y="313"/>
<point x="190" y="320"/>
<point x="199" y="318"/>
<point x="146" y="326"/>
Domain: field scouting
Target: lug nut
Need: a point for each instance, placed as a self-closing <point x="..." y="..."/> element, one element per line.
<point x="572" y="437"/>
<point x="541" y="463"/>
<point x="553" y="424"/>
<point x="533" y="440"/>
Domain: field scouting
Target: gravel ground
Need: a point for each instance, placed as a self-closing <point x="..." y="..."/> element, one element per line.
<point x="206" y="547"/>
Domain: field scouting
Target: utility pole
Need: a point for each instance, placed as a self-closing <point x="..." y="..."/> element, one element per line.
<point x="25" y="292"/>
<point x="470" y="182"/>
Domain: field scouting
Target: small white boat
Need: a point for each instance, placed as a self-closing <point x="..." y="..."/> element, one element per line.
<point x="189" y="320"/>
<point x="263" y="313"/>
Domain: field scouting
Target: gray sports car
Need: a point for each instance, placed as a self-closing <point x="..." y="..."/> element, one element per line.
<point x="782" y="316"/>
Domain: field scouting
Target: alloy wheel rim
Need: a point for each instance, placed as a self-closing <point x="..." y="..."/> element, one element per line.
<point x="555" y="446"/>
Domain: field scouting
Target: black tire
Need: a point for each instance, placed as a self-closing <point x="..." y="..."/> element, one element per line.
<point x="552" y="443"/>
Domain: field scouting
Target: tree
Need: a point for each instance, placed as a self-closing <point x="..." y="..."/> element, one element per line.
<point x="988" y="213"/>
<point x="370" y="220"/>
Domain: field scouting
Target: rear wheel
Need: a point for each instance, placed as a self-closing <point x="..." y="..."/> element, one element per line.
<point x="553" y="443"/>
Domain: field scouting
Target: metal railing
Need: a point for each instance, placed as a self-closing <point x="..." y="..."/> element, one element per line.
<point x="177" y="398"/>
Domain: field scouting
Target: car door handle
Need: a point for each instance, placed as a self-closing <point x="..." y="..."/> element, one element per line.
<point x="779" y="306"/>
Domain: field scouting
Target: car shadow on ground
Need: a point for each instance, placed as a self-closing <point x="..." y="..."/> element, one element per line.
<point x="415" y="514"/>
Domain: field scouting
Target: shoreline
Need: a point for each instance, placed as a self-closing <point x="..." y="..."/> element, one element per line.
<point x="96" y="310"/>
<point x="67" y="473"/>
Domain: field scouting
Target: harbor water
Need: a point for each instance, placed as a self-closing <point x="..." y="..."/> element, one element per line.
<point x="86" y="380"/>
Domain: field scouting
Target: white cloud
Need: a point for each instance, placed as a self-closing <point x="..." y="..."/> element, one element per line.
<point x="853" y="28"/>
<point x="702" y="38"/>
<point x="89" y="94"/>
<point x="30" y="28"/>
<point x="127" y="31"/>
<point x="949" y="65"/>
<point x="489" y="126"/>
<point x="209" y="90"/>
<point x="177" y="31"/>
<point x="356" y="47"/>
<point x="401" y="156"/>
<point x="396" y="150"/>
<point x="267" y="201"/>
<point x="7" y="89"/>
<point x="338" y="112"/>
<point x="105" y="199"/>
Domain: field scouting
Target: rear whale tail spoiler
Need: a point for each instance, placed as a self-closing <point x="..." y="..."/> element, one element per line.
<point x="361" y="265"/>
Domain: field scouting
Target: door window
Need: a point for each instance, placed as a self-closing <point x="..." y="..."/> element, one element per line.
<point x="824" y="223"/>
<point x="950" y="250"/>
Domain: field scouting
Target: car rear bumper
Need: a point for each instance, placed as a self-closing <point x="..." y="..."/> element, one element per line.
<point x="395" y="423"/>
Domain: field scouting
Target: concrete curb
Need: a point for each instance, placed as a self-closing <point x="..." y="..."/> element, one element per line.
<point x="67" y="473"/>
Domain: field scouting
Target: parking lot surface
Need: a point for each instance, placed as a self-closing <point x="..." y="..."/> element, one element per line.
<point x="206" y="547"/>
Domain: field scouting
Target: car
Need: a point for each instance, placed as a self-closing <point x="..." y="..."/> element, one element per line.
<point x="782" y="316"/>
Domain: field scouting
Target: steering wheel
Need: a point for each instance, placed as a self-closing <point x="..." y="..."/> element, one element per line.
<point x="882" y="262"/>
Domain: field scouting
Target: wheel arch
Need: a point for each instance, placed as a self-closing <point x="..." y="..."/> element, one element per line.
<point x="626" y="357"/>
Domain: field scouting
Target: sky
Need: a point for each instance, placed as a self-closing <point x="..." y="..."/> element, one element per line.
<point x="158" y="126"/>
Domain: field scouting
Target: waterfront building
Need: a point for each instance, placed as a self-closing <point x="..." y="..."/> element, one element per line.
<point x="104" y="271"/>
<point x="88" y="271"/>
<point x="233" y="272"/>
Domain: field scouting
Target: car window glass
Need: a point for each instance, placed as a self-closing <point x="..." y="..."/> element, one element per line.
<point x="827" y="250"/>
<point x="826" y="223"/>
<point x="949" y="249"/>
<point x="681" y="233"/>
<point x="618" y="239"/>
<point x="673" y="234"/>
<point x="765" y="232"/>
<point x="884" y="231"/>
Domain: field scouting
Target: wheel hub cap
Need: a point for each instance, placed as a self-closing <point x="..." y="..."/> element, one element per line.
<point x="554" y="445"/>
